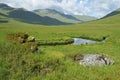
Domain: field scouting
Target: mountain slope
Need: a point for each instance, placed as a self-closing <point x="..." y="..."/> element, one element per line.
<point x="44" y="17"/>
<point x="4" y="9"/>
<point x="57" y="15"/>
<point x="30" y="17"/>
<point x="63" y="17"/>
<point x="8" y="13"/>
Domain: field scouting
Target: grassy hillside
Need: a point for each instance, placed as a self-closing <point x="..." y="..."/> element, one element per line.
<point x="3" y="18"/>
<point x="56" y="62"/>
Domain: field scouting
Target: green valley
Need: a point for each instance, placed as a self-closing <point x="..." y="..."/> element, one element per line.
<point x="56" y="62"/>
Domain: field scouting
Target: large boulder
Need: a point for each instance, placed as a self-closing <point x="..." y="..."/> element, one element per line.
<point x="95" y="60"/>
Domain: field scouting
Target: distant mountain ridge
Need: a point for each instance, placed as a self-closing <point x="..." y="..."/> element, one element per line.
<point x="63" y="17"/>
<point x="57" y="15"/>
<point x="41" y="16"/>
<point x="50" y="11"/>
<point x="20" y="14"/>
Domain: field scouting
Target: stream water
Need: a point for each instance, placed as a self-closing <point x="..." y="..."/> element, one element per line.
<point x="79" y="41"/>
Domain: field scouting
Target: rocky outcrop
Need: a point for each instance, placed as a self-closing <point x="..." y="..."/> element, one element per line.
<point x="25" y="39"/>
<point x="94" y="60"/>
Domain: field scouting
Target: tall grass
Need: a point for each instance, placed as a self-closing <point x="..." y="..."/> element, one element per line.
<point x="19" y="63"/>
<point x="56" y="62"/>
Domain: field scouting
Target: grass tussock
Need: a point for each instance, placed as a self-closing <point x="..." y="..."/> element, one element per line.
<point x="59" y="41"/>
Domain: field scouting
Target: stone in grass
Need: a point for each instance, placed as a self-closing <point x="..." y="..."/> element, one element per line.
<point x="31" y="39"/>
<point x="95" y="60"/>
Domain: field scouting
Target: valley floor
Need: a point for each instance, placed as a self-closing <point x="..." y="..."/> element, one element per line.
<point x="55" y="62"/>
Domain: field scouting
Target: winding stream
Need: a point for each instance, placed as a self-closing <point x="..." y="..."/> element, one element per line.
<point x="79" y="41"/>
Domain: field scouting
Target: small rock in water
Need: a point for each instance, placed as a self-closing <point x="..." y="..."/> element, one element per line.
<point x="95" y="60"/>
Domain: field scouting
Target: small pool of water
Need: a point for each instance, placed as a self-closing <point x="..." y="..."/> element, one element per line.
<point x="79" y="41"/>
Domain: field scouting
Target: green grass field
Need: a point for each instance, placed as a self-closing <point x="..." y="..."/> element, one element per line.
<point x="55" y="62"/>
